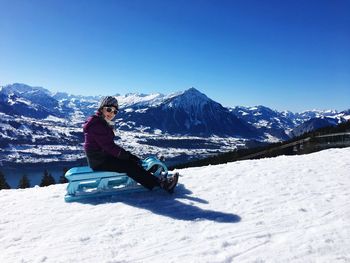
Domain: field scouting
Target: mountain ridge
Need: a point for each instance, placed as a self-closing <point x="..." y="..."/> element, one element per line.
<point x="55" y="119"/>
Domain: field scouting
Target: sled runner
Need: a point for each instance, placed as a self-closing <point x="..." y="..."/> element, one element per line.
<point x="83" y="182"/>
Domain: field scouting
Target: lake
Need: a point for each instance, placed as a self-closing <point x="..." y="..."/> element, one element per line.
<point x="34" y="172"/>
<point x="13" y="171"/>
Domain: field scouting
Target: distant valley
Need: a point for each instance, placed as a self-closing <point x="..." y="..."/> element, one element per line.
<point x="38" y="126"/>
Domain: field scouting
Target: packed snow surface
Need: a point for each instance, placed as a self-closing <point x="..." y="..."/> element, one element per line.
<point x="284" y="209"/>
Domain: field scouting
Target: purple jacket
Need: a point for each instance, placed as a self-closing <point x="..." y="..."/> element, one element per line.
<point x="99" y="137"/>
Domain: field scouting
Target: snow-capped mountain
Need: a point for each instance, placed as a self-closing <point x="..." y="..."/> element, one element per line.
<point x="132" y="101"/>
<point x="37" y="125"/>
<point x="35" y="133"/>
<point x="311" y="114"/>
<point x="267" y="121"/>
<point x="23" y="100"/>
<point x="189" y="113"/>
<point x="314" y="124"/>
<point x="285" y="125"/>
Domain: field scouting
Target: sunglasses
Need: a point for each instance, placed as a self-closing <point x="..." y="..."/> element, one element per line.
<point x="109" y="109"/>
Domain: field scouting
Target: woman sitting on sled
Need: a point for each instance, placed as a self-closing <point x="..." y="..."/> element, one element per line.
<point x="104" y="155"/>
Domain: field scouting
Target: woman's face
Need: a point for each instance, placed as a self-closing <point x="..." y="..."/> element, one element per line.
<point x="109" y="112"/>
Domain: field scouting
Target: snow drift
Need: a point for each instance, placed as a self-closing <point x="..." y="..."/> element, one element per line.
<point x="284" y="209"/>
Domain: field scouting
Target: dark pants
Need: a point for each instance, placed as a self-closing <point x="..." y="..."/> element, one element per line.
<point x="131" y="168"/>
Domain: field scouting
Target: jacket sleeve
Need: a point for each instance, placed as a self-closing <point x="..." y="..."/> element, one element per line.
<point x="102" y="136"/>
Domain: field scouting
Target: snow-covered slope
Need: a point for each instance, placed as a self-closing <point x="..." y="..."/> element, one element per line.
<point x="285" y="209"/>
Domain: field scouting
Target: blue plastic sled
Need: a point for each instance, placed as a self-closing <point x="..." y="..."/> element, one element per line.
<point x="83" y="182"/>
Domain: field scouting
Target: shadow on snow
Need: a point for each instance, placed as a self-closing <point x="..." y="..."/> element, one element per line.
<point x="161" y="203"/>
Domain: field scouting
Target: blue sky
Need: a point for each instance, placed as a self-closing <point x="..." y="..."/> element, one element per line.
<point x="290" y="54"/>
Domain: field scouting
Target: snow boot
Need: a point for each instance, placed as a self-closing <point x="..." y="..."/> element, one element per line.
<point x="168" y="184"/>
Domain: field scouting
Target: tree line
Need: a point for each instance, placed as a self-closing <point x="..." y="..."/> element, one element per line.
<point x="46" y="180"/>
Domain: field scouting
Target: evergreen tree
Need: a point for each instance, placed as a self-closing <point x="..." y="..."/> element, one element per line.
<point x="47" y="179"/>
<point x="3" y="183"/>
<point x="63" y="179"/>
<point x="24" y="182"/>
